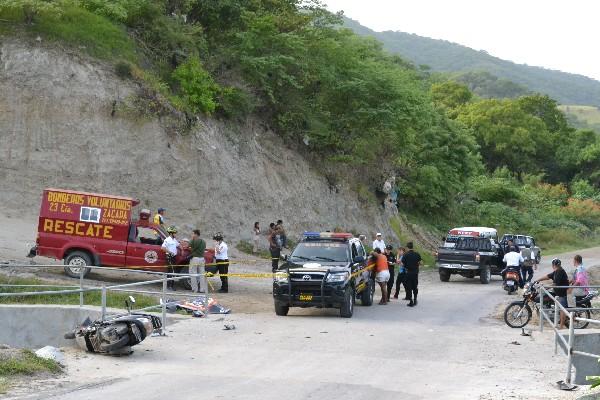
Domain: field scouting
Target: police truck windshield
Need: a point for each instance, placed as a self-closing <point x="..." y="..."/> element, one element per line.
<point x="320" y="251"/>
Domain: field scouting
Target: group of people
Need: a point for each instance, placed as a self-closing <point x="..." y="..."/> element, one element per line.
<point x="559" y="277"/>
<point x="171" y="246"/>
<point x="385" y="261"/>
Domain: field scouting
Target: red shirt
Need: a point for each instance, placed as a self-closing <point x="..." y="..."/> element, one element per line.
<point x="381" y="263"/>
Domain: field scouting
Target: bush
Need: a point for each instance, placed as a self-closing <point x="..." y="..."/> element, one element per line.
<point x="585" y="211"/>
<point x="123" y="70"/>
<point x="234" y="103"/>
<point x="246" y="247"/>
<point x="198" y="90"/>
<point x="501" y="190"/>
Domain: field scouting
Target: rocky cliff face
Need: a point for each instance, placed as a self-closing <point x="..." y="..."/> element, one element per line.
<point x="59" y="128"/>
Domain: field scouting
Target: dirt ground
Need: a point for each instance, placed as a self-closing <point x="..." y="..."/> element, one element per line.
<point x="451" y="346"/>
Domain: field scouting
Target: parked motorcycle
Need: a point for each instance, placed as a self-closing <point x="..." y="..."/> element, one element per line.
<point x="117" y="334"/>
<point x="518" y="313"/>
<point x="511" y="280"/>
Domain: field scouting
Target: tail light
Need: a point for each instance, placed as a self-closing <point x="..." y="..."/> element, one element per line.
<point x="477" y="257"/>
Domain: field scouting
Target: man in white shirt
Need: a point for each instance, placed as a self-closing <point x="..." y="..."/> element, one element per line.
<point x="378" y="243"/>
<point x="170" y="247"/>
<point x="222" y="261"/>
<point x="513" y="260"/>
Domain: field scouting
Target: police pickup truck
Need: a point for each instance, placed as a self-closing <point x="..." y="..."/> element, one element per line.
<point x="470" y="257"/>
<point x="325" y="270"/>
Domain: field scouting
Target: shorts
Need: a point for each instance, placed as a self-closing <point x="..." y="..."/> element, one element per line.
<point x="383" y="276"/>
<point x="563" y="301"/>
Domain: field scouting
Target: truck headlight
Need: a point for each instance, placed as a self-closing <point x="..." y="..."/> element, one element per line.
<point x="337" y="277"/>
<point x="280" y="277"/>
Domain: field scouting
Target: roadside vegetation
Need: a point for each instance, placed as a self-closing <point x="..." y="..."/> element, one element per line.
<point x="16" y="362"/>
<point x="515" y="164"/>
<point x="113" y="299"/>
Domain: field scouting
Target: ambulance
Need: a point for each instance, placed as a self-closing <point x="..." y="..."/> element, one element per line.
<point x="89" y="229"/>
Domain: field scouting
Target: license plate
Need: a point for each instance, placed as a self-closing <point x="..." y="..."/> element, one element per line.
<point x="510" y="283"/>
<point x="306" y="297"/>
<point x="456" y="265"/>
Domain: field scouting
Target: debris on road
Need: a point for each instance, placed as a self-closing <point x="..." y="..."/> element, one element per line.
<point x="51" y="353"/>
<point x="515" y="343"/>
<point x="228" y="327"/>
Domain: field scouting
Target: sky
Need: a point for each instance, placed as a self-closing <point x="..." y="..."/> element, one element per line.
<point x="555" y="34"/>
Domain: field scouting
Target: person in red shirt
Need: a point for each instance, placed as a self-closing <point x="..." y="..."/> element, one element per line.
<point x="382" y="273"/>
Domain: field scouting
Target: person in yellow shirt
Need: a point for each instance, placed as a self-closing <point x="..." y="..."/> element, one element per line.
<point x="159" y="216"/>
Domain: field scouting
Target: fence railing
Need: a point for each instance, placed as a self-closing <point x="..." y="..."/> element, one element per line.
<point x="570" y="314"/>
<point x="162" y="278"/>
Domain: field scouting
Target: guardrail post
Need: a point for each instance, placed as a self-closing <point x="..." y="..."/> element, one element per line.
<point x="103" y="302"/>
<point x="570" y="349"/>
<point x="164" y="305"/>
<point x="556" y="319"/>
<point x="81" y="287"/>
<point x="542" y="310"/>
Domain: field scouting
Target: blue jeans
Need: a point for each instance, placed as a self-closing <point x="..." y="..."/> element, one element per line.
<point x="526" y="273"/>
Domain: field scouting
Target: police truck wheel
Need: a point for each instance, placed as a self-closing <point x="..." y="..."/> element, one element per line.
<point x="444" y="275"/>
<point x="186" y="283"/>
<point x="485" y="275"/>
<point x="75" y="261"/>
<point x="281" y="310"/>
<point x="366" y="296"/>
<point x="347" y="308"/>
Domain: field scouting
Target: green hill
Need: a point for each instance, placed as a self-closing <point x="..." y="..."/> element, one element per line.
<point x="444" y="56"/>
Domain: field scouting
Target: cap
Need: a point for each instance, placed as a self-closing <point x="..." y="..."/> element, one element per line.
<point x="378" y="234"/>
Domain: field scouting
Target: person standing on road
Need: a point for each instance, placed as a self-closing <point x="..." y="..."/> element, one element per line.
<point x="378" y="243"/>
<point x="391" y="260"/>
<point x="274" y="247"/>
<point x="559" y="278"/>
<point x="170" y="246"/>
<point x="255" y="237"/>
<point x="401" y="279"/>
<point x="282" y="235"/>
<point x="382" y="274"/>
<point x="159" y="217"/>
<point x="197" y="247"/>
<point x="412" y="262"/>
<point x="222" y="260"/>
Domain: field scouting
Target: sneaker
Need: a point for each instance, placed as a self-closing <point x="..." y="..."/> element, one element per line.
<point x="411" y="304"/>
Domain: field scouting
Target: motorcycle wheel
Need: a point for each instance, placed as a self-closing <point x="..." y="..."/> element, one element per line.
<point x="581" y="314"/>
<point x="517" y="314"/>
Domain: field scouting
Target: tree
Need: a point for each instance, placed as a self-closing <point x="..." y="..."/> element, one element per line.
<point x="450" y="94"/>
<point x="507" y="135"/>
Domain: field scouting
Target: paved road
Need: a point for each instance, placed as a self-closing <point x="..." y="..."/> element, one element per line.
<point x="450" y="347"/>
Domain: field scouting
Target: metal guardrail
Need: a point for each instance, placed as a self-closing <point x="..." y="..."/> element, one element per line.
<point x="570" y="314"/>
<point x="125" y="287"/>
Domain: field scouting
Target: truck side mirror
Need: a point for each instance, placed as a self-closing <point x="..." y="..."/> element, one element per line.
<point x="359" y="259"/>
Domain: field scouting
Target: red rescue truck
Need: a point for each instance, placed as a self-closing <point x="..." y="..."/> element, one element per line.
<point x="86" y="229"/>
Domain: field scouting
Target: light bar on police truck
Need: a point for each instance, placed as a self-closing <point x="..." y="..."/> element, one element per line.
<point x="327" y="235"/>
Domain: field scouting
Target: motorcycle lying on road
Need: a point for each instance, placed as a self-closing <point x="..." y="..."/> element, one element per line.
<point x="116" y="335"/>
<point x="518" y="313"/>
<point x="511" y="280"/>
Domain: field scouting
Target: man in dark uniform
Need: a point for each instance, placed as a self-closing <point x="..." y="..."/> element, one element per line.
<point x="412" y="262"/>
<point x="391" y="259"/>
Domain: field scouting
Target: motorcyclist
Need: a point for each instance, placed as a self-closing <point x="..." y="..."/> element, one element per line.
<point x="513" y="260"/>
<point x="559" y="278"/>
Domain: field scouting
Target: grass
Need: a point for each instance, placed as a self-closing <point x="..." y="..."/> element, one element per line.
<point x="113" y="299"/>
<point x="246" y="247"/>
<point x="27" y="363"/>
<point x="426" y="255"/>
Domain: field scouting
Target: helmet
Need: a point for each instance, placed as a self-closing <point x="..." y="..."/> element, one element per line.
<point x="556" y="262"/>
<point x="172" y="229"/>
<point x="160" y="209"/>
<point x="389" y="247"/>
<point x="218" y="236"/>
